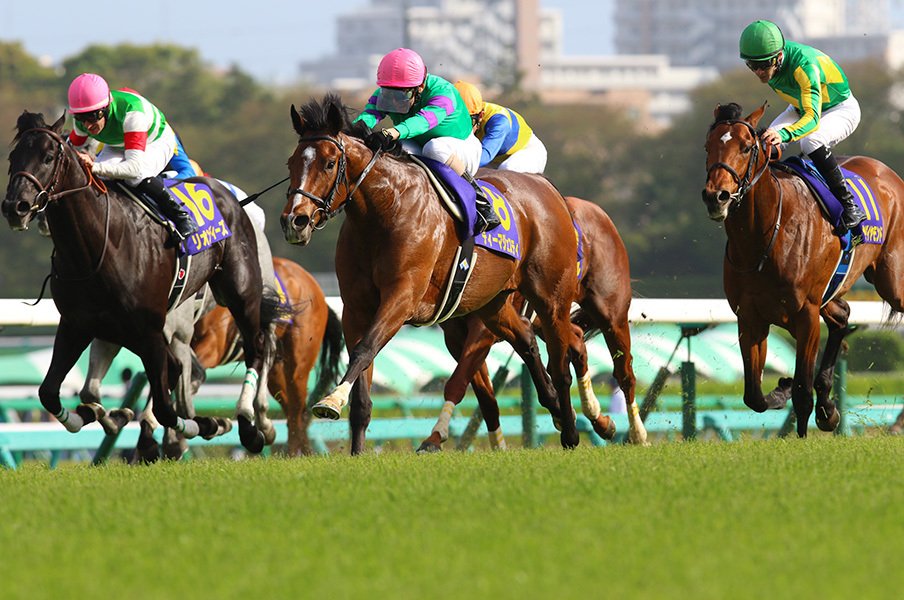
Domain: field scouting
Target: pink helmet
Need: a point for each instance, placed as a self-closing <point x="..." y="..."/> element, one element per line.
<point x="88" y="92"/>
<point x="401" y="68"/>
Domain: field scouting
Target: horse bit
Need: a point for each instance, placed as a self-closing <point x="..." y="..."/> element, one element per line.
<point x="323" y="204"/>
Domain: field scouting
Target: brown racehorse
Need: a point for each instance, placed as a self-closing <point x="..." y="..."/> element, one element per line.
<point x="314" y="330"/>
<point x="395" y="251"/>
<point x="780" y="256"/>
<point x="604" y="296"/>
<point x="111" y="273"/>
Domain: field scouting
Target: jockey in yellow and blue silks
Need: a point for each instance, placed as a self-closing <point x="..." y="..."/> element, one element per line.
<point x="138" y="142"/>
<point x="822" y="110"/>
<point x="506" y="139"/>
<point x="429" y="118"/>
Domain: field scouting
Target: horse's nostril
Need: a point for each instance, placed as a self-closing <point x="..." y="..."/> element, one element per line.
<point x="300" y="221"/>
<point x="22" y="208"/>
<point x="724" y="196"/>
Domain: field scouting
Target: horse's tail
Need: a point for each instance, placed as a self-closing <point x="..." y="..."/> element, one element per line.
<point x="272" y="311"/>
<point x="330" y="352"/>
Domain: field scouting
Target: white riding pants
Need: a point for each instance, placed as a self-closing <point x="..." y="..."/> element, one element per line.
<point x="133" y="166"/>
<point x="530" y="159"/>
<point x="835" y="124"/>
<point x="442" y="148"/>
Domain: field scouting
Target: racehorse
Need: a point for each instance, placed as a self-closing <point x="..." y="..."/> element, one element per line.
<point x="395" y="250"/>
<point x="111" y="274"/>
<point x="780" y="256"/>
<point x="314" y="329"/>
<point x="604" y="297"/>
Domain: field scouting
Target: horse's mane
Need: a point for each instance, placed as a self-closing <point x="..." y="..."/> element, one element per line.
<point x="315" y="115"/>
<point x="727" y="112"/>
<point x="26" y="121"/>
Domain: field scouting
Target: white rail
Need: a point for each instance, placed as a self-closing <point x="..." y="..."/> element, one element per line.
<point x="643" y="310"/>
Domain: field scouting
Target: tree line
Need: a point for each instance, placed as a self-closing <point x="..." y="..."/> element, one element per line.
<point x="239" y="130"/>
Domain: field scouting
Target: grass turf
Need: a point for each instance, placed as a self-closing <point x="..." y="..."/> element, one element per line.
<point x="809" y="518"/>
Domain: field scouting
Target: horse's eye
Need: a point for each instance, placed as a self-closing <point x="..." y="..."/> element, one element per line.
<point x="48" y="158"/>
<point x="330" y="164"/>
<point x="747" y="149"/>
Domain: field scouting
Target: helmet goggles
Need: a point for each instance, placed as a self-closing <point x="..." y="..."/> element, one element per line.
<point x="395" y="100"/>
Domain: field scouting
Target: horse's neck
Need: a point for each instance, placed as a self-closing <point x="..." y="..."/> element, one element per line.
<point x="384" y="198"/>
<point x="757" y="213"/>
<point x="78" y="228"/>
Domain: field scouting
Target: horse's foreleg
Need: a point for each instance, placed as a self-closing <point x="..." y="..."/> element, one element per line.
<point x="360" y="410"/>
<point x="147" y="448"/>
<point x="752" y="342"/>
<point x="807" y="336"/>
<point x="835" y="314"/>
<point x="365" y="336"/>
<point x="261" y="399"/>
<point x="99" y="361"/>
<point x="489" y="407"/>
<point x="68" y="346"/>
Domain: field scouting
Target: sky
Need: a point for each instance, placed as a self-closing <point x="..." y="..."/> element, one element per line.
<point x="266" y="38"/>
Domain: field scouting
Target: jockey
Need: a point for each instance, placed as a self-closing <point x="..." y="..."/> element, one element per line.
<point x="138" y="143"/>
<point x="506" y="138"/>
<point x="429" y="117"/>
<point x="823" y="111"/>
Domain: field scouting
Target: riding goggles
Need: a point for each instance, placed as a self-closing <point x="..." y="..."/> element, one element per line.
<point x="760" y="65"/>
<point x="395" y="100"/>
<point x="91" y="116"/>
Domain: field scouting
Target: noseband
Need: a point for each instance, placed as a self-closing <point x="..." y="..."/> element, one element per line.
<point x="46" y="193"/>
<point x="750" y="178"/>
<point x="324" y="205"/>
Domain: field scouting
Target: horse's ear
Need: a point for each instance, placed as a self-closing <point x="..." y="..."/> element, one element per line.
<point x="334" y="119"/>
<point x="59" y="122"/>
<point x="297" y="122"/>
<point x="716" y="111"/>
<point x="754" y="117"/>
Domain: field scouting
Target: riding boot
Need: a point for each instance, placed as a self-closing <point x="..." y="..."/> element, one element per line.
<point x="488" y="217"/>
<point x="825" y="162"/>
<point x="169" y="206"/>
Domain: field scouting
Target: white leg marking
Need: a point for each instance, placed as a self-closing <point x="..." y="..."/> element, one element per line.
<point x="70" y="420"/>
<point x="245" y="406"/>
<point x="590" y="406"/>
<point x="442" y="423"/>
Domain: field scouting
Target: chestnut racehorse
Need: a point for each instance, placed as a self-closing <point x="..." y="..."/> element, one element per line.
<point x="112" y="270"/>
<point x="604" y="296"/>
<point x="781" y="254"/>
<point x="314" y="330"/>
<point x="395" y="250"/>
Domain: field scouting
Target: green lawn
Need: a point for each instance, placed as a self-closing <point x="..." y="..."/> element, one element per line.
<point x="752" y="519"/>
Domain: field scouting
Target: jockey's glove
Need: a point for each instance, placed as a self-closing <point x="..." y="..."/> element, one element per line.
<point x="383" y="139"/>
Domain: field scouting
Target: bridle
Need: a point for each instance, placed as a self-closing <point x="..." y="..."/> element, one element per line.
<point x="751" y="176"/>
<point x="46" y="193"/>
<point x="325" y="205"/>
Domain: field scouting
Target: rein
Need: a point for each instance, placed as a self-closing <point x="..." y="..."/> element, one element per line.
<point x="324" y="205"/>
<point x="751" y="176"/>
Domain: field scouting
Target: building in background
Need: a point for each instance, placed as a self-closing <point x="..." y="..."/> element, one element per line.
<point x="705" y="33"/>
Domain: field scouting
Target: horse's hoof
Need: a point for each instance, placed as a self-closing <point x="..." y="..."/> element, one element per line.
<point x="176" y="449"/>
<point x="224" y="425"/>
<point x="428" y="447"/>
<point x="269" y="435"/>
<point x="147" y="450"/>
<point x="90" y="412"/>
<point x="778" y="398"/>
<point x="325" y="410"/>
<point x="252" y="439"/>
<point x="827" y="423"/>
<point x="115" y="420"/>
<point x="896" y="429"/>
<point x="569" y="442"/>
<point x="208" y="428"/>
<point x="557" y="423"/>
<point x="604" y="427"/>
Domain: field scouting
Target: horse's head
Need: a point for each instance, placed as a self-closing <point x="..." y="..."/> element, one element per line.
<point x="733" y="152"/>
<point x="318" y="169"/>
<point x="36" y="167"/>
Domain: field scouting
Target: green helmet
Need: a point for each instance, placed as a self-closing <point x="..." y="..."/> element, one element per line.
<point x="761" y="40"/>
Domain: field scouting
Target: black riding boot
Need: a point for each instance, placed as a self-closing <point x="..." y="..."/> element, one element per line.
<point x="169" y="206"/>
<point x="488" y="217"/>
<point x="825" y="162"/>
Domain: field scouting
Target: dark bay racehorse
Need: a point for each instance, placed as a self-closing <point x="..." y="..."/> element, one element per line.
<point x="395" y="250"/>
<point x="604" y="297"/>
<point x="111" y="274"/>
<point x="781" y="254"/>
<point x="314" y="330"/>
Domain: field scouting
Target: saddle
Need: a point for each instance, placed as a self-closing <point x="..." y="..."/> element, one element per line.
<point x="148" y="205"/>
